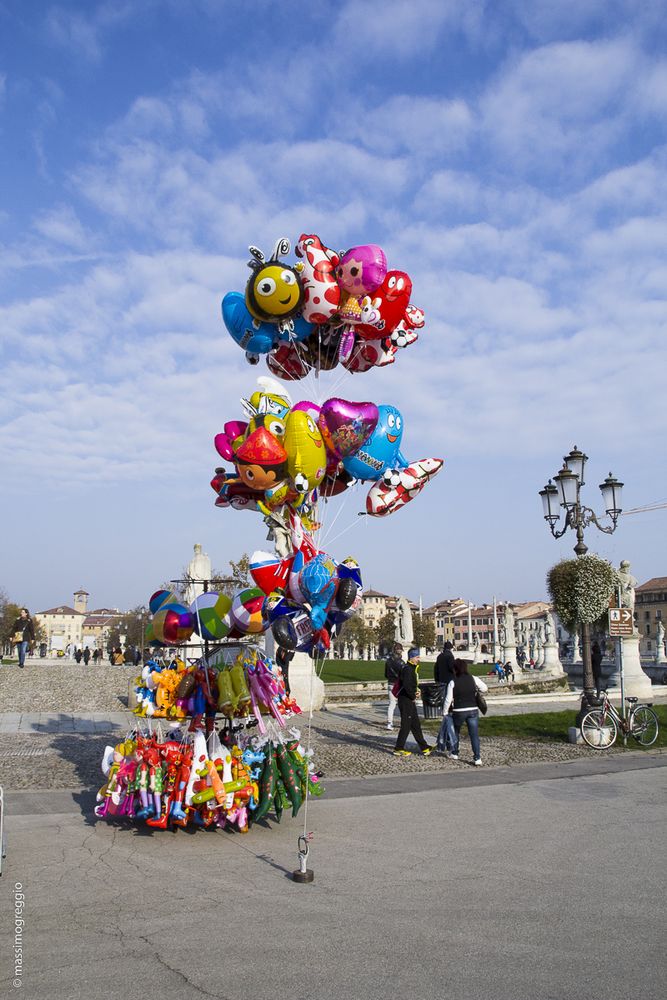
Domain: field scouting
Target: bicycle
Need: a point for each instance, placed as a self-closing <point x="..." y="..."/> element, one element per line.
<point x="600" y="726"/>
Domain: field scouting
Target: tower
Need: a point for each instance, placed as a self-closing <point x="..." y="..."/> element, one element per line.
<point x="81" y="601"/>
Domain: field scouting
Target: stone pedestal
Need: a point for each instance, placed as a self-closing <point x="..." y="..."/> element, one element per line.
<point x="660" y="657"/>
<point x="637" y="684"/>
<point x="509" y="655"/>
<point x="305" y="686"/>
<point x="551" y="665"/>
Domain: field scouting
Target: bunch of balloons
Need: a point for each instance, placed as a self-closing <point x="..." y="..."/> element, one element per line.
<point x="326" y="308"/>
<point x="286" y="456"/>
<point x="252" y="686"/>
<point x="191" y="780"/>
<point x="308" y="593"/>
<point x="213" y="616"/>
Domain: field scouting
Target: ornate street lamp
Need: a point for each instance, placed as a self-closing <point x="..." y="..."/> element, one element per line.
<point x="566" y="495"/>
<point x="142" y="612"/>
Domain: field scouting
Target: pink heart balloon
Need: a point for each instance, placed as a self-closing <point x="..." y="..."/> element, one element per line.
<point x="223" y="442"/>
<point x="345" y="425"/>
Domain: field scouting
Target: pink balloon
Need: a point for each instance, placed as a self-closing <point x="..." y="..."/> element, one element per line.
<point x="345" y="425"/>
<point x="308" y="407"/>
<point x="223" y="442"/>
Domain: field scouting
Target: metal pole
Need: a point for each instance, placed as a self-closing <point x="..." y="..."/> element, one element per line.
<point x="495" y="629"/>
<point x="621" y="670"/>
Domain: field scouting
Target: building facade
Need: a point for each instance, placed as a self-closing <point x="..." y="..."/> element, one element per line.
<point x="650" y="608"/>
<point x="76" y="627"/>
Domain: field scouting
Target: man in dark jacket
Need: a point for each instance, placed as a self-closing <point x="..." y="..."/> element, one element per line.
<point x="407" y="697"/>
<point x="392" y="671"/>
<point x="443" y="673"/>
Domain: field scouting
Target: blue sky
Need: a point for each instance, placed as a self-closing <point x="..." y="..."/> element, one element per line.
<point x="511" y="156"/>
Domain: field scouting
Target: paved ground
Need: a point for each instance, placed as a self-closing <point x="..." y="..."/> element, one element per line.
<point x="431" y="876"/>
<point x="517" y="884"/>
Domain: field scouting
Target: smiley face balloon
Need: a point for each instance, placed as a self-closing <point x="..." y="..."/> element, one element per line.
<point x="306" y="454"/>
<point x="382" y="450"/>
<point x="274" y="291"/>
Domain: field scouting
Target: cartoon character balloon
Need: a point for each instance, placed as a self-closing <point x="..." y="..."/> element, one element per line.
<point x="381" y="452"/>
<point x="274" y="292"/>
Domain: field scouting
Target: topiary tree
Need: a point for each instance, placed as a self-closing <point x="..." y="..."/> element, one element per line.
<point x="580" y="589"/>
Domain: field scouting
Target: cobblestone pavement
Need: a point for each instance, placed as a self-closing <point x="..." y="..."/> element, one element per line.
<point x="347" y="743"/>
<point x="58" y="718"/>
<point x="64" y="686"/>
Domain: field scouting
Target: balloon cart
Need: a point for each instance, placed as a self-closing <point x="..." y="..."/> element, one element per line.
<point x="285" y="462"/>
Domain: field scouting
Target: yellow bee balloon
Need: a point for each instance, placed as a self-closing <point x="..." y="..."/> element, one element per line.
<point x="306" y="454"/>
<point x="274" y="291"/>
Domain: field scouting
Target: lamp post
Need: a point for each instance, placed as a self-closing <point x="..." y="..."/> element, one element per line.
<point x="567" y="495"/>
<point x="142" y="610"/>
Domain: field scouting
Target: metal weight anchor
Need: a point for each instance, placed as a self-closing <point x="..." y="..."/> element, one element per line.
<point x="303" y="874"/>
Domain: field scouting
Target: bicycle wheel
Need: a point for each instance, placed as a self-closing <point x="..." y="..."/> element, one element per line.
<point x="645" y="726"/>
<point x="598" y="730"/>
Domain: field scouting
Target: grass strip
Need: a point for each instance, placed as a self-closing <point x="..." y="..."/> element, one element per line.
<point x="550" y="727"/>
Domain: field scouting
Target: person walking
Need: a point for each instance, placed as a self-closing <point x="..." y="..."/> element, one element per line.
<point x="596" y="664"/>
<point x="96" y="653"/>
<point x="77" y="655"/>
<point x="461" y="697"/>
<point x="392" y="671"/>
<point x="443" y="673"/>
<point x="407" y="697"/>
<point x="86" y="656"/>
<point x="24" y="635"/>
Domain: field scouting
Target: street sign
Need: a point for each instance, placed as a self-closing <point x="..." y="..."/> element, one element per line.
<point x="620" y="622"/>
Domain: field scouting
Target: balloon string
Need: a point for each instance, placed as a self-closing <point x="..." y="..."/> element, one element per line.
<point x="341" y="509"/>
<point x="345" y="530"/>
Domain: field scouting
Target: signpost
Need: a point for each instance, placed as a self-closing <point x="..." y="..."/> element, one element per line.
<point x="620" y="622"/>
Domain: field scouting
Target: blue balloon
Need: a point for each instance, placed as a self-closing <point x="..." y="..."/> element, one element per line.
<point x="318" y="585"/>
<point x="258" y="339"/>
<point x="382" y="450"/>
<point x="240" y="324"/>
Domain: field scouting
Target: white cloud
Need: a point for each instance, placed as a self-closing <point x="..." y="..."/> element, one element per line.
<point x="560" y="106"/>
<point x="425" y="125"/>
<point x="401" y="29"/>
<point x="247" y="194"/>
<point x="62" y="226"/>
<point x="548" y="21"/>
<point x="83" y="34"/>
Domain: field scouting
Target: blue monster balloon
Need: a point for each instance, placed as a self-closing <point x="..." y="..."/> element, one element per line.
<point x="254" y="337"/>
<point x="240" y="324"/>
<point x="318" y="585"/>
<point x="381" y="451"/>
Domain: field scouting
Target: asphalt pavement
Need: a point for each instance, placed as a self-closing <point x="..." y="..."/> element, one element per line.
<point x="541" y="882"/>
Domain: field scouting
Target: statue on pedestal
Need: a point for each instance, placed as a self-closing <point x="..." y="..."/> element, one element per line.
<point x="549" y="628"/>
<point x="199" y="569"/>
<point x="660" y="643"/>
<point x="508" y="627"/>
<point x="403" y="631"/>
<point x="628" y="583"/>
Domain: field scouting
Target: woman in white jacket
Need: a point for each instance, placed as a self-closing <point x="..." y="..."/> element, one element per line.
<point x="461" y="698"/>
